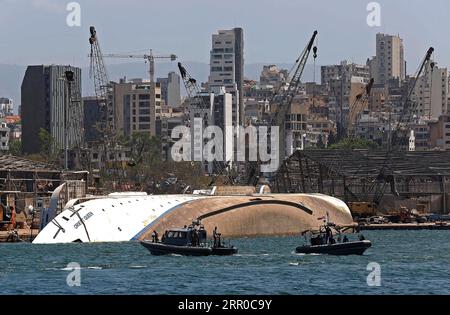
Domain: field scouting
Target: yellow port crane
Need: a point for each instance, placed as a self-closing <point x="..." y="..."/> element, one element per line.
<point x="360" y="104"/>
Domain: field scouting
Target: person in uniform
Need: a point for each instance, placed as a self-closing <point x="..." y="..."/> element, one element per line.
<point x="155" y="237"/>
<point x="215" y="235"/>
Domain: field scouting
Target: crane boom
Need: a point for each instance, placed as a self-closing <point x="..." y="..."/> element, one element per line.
<point x="191" y="85"/>
<point x="360" y="103"/>
<point x="147" y="57"/>
<point x="283" y="99"/>
<point x="100" y="77"/>
<point x="410" y="107"/>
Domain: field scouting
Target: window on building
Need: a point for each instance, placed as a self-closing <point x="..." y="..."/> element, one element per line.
<point x="144" y="111"/>
<point x="228" y="69"/>
<point x="144" y="126"/>
<point x="217" y="56"/>
<point x="144" y="119"/>
<point x="216" y="69"/>
<point x="143" y="96"/>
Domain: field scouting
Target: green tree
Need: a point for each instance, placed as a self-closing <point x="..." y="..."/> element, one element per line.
<point x="15" y="147"/>
<point x="48" y="145"/>
<point x="144" y="149"/>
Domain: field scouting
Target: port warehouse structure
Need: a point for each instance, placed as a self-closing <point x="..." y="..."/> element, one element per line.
<point x="25" y="182"/>
<point x="417" y="180"/>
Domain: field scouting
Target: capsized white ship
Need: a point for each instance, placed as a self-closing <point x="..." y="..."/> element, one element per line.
<point x="116" y="218"/>
<point x="124" y="217"/>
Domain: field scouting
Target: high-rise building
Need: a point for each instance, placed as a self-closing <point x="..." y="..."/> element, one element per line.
<point x="227" y="68"/>
<point x="44" y="99"/>
<point x="92" y="117"/>
<point x="389" y="62"/>
<point x="216" y="112"/>
<point x="170" y="90"/>
<point x="6" y="107"/>
<point x="134" y="111"/>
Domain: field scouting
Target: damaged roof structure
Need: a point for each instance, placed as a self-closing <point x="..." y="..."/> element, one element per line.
<point x="359" y="175"/>
<point x="30" y="180"/>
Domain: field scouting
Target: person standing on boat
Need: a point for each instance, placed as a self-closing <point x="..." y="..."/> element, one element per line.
<point x="195" y="238"/>
<point x="328" y="235"/>
<point x="155" y="237"/>
<point x="215" y="236"/>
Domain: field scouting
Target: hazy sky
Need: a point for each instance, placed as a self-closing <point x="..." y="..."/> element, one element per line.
<point x="35" y="31"/>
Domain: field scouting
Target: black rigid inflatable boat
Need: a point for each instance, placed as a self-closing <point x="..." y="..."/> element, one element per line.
<point x="187" y="241"/>
<point x="332" y="240"/>
<point x="340" y="249"/>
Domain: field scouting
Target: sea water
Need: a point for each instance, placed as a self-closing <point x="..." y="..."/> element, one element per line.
<point x="409" y="262"/>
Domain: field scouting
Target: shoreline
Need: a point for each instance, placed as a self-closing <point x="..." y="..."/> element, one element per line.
<point x="405" y="227"/>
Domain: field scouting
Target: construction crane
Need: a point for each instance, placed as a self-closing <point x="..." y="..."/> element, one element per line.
<point x="100" y="77"/>
<point x="410" y="107"/>
<point x="282" y="100"/>
<point x="386" y="175"/>
<point x="194" y="93"/>
<point x="193" y="90"/>
<point x="361" y="102"/>
<point x="150" y="58"/>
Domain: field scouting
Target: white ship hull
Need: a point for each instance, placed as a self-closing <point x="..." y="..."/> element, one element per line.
<point x="114" y="219"/>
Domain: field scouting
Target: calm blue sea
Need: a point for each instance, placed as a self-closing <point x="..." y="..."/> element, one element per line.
<point x="411" y="262"/>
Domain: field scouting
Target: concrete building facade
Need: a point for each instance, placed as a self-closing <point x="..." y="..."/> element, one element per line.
<point x="440" y="133"/>
<point x="92" y="116"/>
<point x="346" y="71"/>
<point x="271" y="75"/>
<point x="44" y="96"/>
<point x="431" y="92"/>
<point x="6" y="107"/>
<point x="4" y="136"/>
<point x="170" y="90"/>
<point x="216" y="112"/>
<point x="134" y="111"/>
